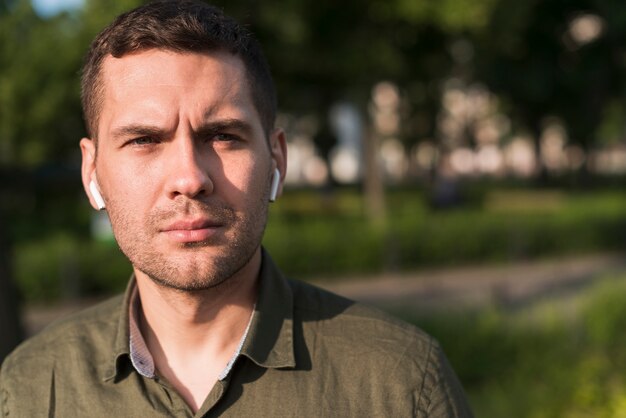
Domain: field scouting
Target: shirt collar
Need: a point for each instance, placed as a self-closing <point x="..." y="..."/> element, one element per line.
<point x="121" y="349"/>
<point x="268" y="341"/>
<point x="139" y="354"/>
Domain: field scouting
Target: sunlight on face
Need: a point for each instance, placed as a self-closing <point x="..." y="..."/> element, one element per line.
<point x="183" y="165"/>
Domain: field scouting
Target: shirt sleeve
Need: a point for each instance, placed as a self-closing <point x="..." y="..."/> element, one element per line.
<point x="4" y="396"/>
<point x="442" y="394"/>
<point x="24" y="387"/>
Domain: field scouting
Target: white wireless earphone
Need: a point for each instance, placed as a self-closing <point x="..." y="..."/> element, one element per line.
<point x="275" y="183"/>
<point x="95" y="193"/>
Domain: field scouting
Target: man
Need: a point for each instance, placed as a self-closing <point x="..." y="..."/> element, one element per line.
<point x="184" y="157"/>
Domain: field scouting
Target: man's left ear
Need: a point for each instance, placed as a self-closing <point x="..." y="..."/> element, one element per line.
<point x="278" y="149"/>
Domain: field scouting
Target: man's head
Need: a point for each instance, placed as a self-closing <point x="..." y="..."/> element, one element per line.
<point x="177" y="26"/>
<point x="186" y="150"/>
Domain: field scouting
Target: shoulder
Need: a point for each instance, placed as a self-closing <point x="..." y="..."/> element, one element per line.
<point x="91" y="327"/>
<point x="401" y="359"/>
<point x="344" y="327"/>
<point x="356" y="321"/>
<point x="67" y="355"/>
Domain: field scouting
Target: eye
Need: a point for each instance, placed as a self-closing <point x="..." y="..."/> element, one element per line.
<point x="224" y="137"/>
<point x="143" y="140"/>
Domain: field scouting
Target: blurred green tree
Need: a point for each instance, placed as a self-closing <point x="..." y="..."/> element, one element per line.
<point x="40" y="125"/>
<point x="555" y="58"/>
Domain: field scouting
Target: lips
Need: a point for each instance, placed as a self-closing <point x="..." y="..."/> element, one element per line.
<point x="192" y="230"/>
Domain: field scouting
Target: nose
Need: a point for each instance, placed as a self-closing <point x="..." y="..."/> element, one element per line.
<point x="188" y="170"/>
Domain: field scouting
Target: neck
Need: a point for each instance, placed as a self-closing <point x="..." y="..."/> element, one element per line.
<point x="192" y="335"/>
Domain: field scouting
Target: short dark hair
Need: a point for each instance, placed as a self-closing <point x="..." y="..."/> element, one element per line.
<point x="179" y="26"/>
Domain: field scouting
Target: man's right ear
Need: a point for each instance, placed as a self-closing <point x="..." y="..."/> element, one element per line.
<point x="88" y="173"/>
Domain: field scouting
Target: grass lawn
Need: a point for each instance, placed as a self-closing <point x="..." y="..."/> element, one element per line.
<point x="557" y="358"/>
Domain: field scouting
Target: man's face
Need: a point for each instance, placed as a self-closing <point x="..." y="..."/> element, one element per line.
<point x="183" y="165"/>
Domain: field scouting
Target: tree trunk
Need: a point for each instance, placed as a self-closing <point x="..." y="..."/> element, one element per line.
<point x="373" y="180"/>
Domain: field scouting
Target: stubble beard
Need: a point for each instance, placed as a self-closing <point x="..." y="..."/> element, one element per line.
<point x="195" y="266"/>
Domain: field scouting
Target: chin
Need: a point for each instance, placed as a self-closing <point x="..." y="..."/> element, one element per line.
<point x="201" y="270"/>
<point x="190" y="283"/>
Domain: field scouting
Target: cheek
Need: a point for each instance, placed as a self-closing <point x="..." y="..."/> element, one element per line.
<point x="129" y="191"/>
<point x="247" y="176"/>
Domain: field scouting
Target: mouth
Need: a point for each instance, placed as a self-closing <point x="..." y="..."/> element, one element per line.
<point x="191" y="230"/>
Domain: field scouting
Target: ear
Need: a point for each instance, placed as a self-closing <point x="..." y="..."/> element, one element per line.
<point x="88" y="170"/>
<point x="278" y="149"/>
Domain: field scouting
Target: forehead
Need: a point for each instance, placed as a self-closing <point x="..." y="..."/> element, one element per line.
<point x="158" y="82"/>
<point x="155" y="62"/>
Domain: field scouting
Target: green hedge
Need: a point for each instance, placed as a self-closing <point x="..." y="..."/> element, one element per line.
<point x="312" y="235"/>
<point x="338" y="239"/>
<point x="64" y="267"/>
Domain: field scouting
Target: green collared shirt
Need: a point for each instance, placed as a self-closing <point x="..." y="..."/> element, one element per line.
<point x="308" y="353"/>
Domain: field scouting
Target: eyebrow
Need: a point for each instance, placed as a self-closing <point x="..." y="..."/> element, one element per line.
<point x="136" y="130"/>
<point x="224" y="125"/>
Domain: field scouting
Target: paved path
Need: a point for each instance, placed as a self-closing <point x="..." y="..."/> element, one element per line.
<point x="463" y="287"/>
<point x="507" y="285"/>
